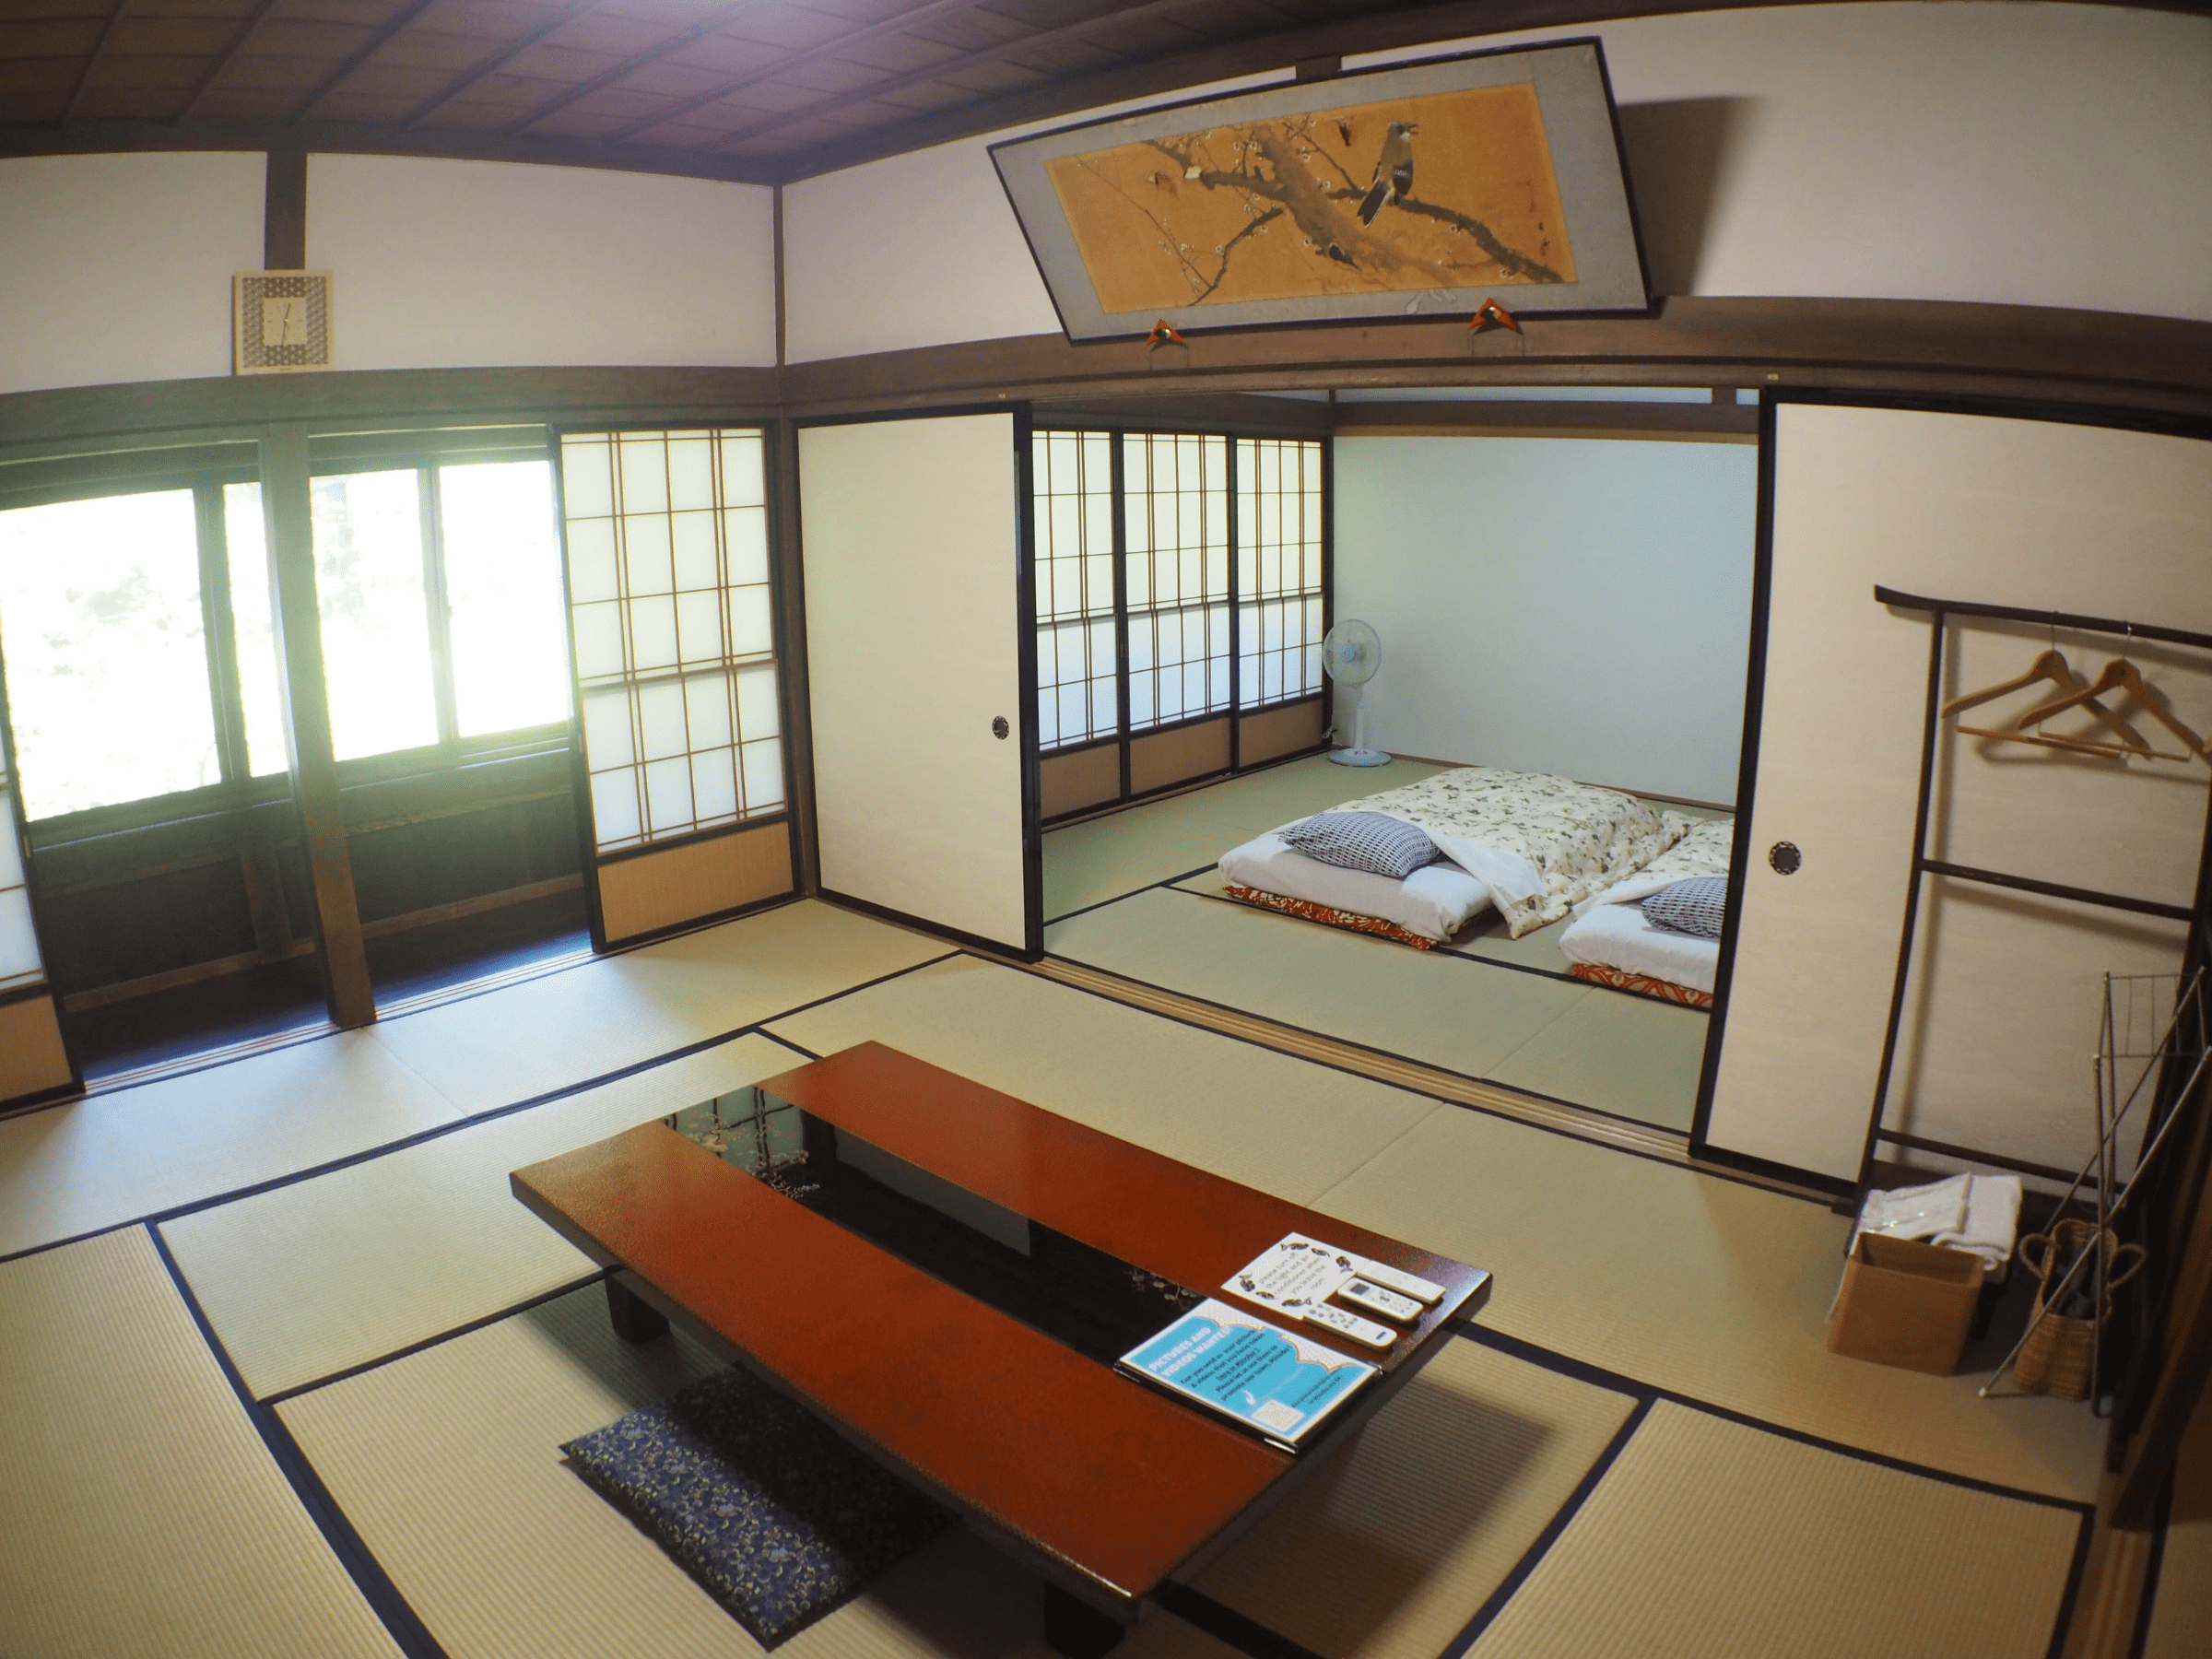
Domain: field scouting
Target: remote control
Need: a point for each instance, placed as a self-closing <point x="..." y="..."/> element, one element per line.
<point x="1374" y="1298"/>
<point x="1351" y="1325"/>
<point x="1405" y="1284"/>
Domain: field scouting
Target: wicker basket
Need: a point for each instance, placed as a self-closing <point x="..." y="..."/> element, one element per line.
<point x="2056" y="1358"/>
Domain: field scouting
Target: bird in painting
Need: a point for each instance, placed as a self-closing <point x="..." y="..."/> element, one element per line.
<point x="1394" y="171"/>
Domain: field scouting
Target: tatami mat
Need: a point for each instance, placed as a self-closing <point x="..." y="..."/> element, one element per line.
<point x="314" y="1277"/>
<point x="96" y="1164"/>
<point x="1424" y="1005"/>
<point x="1629" y="1055"/>
<point x="509" y="1045"/>
<point x="449" y="1464"/>
<point x="1706" y="1538"/>
<point x="1104" y="857"/>
<point x="1715" y="1290"/>
<point x="143" y="1513"/>
<point x="1390" y="1551"/>
<point x="1633" y="1056"/>
<point x="1271" y="1122"/>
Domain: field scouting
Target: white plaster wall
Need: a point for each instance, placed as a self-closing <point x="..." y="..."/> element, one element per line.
<point x="118" y="267"/>
<point x="2034" y="155"/>
<point x="1571" y="606"/>
<point x="444" y="263"/>
<point x="920" y="249"/>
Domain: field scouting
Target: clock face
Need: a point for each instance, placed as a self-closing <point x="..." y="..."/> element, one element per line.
<point x="284" y="322"/>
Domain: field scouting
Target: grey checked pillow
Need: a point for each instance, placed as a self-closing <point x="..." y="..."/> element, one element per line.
<point x="1692" y="906"/>
<point x="1364" y="840"/>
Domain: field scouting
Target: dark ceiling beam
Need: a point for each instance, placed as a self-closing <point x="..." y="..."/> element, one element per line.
<point x="238" y="44"/>
<point x="911" y="18"/>
<point x="1416" y="25"/>
<point x="100" y="47"/>
<point x="363" y="138"/>
<point x="497" y="61"/>
<point x="651" y="55"/>
<point x="362" y="53"/>
<point x="988" y="55"/>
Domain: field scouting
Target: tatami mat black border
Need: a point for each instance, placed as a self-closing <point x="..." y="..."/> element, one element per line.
<point x="1133" y="892"/>
<point x="1706" y="1171"/>
<point x="438" y="1338"/>
<point x="405" y="1626"/>
<point x="1508" y="1586"/>
<point x="438" y="1130"/>
<point x="1582" y="1371"/>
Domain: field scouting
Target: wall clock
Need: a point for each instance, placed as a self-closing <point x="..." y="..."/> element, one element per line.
<point x="280" y="322"/>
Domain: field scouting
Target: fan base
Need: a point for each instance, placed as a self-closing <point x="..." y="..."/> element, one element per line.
<point x="1358" y="756"/>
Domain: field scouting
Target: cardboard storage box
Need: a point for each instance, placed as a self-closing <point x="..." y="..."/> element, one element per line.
<point x="1905" y="1303"/>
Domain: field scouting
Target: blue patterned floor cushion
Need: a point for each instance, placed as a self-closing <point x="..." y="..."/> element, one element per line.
<point x="777" y="1518"/>
<point x="1363" y="841"/>
<point x="1693" y="905"/>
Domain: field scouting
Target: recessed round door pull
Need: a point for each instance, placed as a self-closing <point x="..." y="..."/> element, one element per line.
<point x="1785" y="858"/>
<point x="999" y="728"/>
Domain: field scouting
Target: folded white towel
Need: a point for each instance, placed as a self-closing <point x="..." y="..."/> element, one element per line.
<point x="1917" y="1212"/>
<point x="1980" y="1213"/>
<point x="1993" y="1216"/>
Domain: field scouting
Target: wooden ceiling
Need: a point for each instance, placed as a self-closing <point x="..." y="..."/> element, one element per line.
<point x="763" y="89"/>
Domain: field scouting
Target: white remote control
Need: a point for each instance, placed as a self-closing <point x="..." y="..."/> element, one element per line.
<point x="1405" y="1284"/>
<point x="1375" y="1299"/>
<point x="1351" y="1325"/>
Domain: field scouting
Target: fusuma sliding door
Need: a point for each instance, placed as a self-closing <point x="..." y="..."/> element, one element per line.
<point x="679" y="689"/>
<point x="1997" y="1013"/>
<point x="920" y="669"/>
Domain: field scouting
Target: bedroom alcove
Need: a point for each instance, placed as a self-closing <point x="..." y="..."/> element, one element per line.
<point x="1561" y="577"/>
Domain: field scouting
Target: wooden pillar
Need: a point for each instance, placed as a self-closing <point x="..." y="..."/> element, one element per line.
<point x="344" y="955"/>
<point x="791" y="651"/>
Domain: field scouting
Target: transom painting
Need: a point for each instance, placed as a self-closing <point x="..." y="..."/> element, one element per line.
<point x="1417" y="190"/>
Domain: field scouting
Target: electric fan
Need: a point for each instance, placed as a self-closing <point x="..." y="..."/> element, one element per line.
<point x="1352" y="653"/>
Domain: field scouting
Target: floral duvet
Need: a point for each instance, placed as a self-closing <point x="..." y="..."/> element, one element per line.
<point x="1541" y="844"/>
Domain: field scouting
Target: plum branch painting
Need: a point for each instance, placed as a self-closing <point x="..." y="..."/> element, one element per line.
<point x="1447" y="191"/>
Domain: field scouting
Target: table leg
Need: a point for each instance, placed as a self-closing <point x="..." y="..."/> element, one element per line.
<point x="636" y="1320"/>
<point x="1076" y="1629"/>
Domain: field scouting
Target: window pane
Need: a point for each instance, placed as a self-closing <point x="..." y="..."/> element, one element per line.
<point x="246" y="545"/>
<point x="107" y="665"/>
<point x="376" y="634"/>
<point x="502" y="588"/>
<point x="1279" y="516"/>
<point x="20" y="962"/>
<point x="1176" y="516"/>
<point x="668" y="591"/>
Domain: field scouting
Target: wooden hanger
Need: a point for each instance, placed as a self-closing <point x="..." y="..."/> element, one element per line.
<point x="2119" y="674"/>
<point x="2054" y="668"/>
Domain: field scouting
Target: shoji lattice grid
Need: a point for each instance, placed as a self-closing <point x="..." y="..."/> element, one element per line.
<point x="19" y="960"/>
<point x="667" y="542"/>
<point x="1072" y="476"/>
<point x="1175" y="494"/>
<point x="1280" y="504"/>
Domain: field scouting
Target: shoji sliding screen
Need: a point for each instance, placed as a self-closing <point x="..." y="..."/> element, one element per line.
<point x="1282" y="595"/>
<point x="2000" y="1011"/>
<point x="672" y="630"/>
<point x="921" y="671"/>
<point x="35" y="1064"/>
<point x="1182" y="594"/>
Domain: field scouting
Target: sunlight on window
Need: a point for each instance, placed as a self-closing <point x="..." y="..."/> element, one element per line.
<point x="244" y="540"/>
<point x="107" y="668"/>
<point x="376" y="645"/>
<point x="503" y="582"/>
